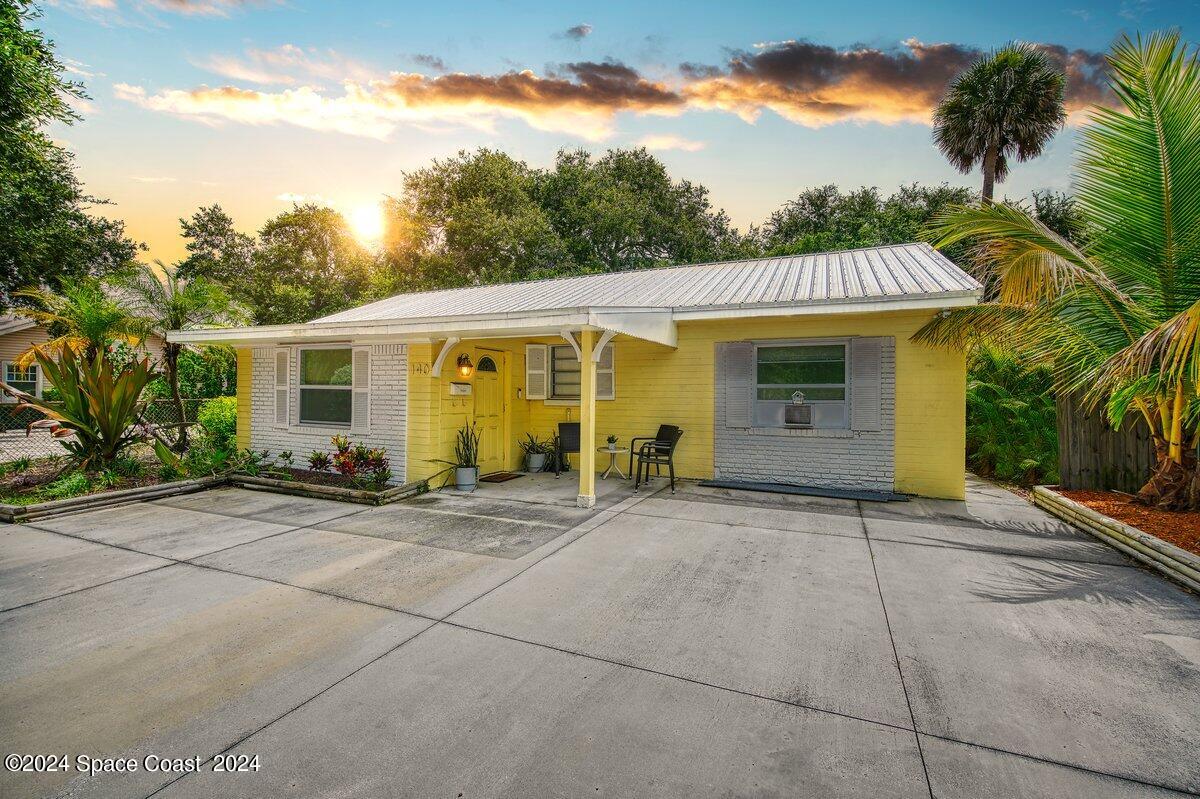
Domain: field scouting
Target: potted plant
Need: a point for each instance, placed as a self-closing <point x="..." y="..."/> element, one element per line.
<point x="536" y="452"/>
<point x="612" y="443"/>
<point x="466" y="460"/>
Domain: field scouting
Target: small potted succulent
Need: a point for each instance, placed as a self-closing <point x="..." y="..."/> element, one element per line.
<point x="536" y="452"/>
<point x="612" y="443"/>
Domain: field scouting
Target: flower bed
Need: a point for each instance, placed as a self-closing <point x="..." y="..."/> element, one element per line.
<point x="326" y="486"/>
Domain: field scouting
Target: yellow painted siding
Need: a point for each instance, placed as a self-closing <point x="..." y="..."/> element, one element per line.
<point x="245" y="379"/>
<point x="656" y="384"/>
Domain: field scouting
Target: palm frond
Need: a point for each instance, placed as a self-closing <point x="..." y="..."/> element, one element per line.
<point x="1029" y="262"/>
<point x="1139" y="172"/>
<point x="1169" y="353"/>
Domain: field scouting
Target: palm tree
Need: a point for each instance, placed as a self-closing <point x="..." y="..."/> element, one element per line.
<point x="84" y="318"/>
<point x="163" y="302"/>
<point x="1008" y="103"/>
<point x="1119" y="319"/>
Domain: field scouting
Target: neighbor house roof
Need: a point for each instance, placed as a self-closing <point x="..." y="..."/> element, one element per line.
<point x="647" y="302"/>
<point x="11" y="323"/>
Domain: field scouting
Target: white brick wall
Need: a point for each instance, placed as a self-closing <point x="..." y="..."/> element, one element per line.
<point x="839" y="458"/>
<point x="389" y="406"/>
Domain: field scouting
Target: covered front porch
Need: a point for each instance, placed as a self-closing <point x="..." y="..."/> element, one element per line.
<point x="508" y="388"/>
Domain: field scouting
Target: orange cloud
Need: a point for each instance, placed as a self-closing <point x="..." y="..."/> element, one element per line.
<point x="806" y="83"/>
<point x="817" y="85"/>
<point x="582" y="100"/>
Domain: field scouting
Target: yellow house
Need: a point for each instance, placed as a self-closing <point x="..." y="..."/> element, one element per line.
<point x="725" y="351"/>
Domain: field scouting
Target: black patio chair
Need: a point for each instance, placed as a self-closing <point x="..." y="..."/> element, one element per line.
<point x="657" y="452"/>
<point x="566" y="442"/>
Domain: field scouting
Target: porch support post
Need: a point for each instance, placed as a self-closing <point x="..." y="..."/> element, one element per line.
<point x="587" y="420"/>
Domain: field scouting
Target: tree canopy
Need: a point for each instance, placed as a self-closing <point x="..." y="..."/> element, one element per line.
<point x="47" y="237"/>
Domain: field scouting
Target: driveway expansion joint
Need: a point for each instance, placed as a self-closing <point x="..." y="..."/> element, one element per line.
<point x="895" y="653"/>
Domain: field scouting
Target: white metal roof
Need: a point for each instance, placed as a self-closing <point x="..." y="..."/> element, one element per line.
<point x="644" y="303"/>
<point x="897" y="272"/>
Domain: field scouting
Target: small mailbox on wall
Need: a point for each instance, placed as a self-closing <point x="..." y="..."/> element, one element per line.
<point x="460" y="389"/>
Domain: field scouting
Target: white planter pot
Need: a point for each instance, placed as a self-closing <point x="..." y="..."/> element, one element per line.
<point x="465" y="479"/>
<point x="535" y="462"/>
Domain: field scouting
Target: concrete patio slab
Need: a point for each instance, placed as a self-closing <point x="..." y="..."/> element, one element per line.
<point x="176" y="662"/>
<point x="998" y="513"/>
<point x="959" y="771"/>
<point x="36" y="565"/>
<point x="790" y="616"/>
<point x="543" y="488"/>
<point x="638" y="653"/>
<point x="480" y="535"/>
<point x="1054" y="544"/>
<point x="466" y="714"/>
<point x="1084" y="664"/>
<point x="263" y="506"/>
<point x="759" y="499"/>
<point x="667" y="506"/>
<point x="160" y="530"/>
<point x="485" y="504"/>
<point x="430" y="581"/>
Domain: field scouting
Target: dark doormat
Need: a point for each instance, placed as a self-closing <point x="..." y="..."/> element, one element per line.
<point x="499" y="477"/>
<point x="808" y="491"/>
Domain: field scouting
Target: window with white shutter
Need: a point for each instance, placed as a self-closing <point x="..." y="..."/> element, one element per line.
<point x="360" y="407"/>
<point x="866" y="383"/>
<point x="536" y="371"/>
<point x="738" y="360"/>
<point x="282" y="361"/>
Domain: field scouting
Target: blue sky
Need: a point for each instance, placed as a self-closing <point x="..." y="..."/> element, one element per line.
<point x="255" y="104"/>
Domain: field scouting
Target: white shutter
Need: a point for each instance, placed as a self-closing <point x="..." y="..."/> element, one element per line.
<point x="536" y="371"/>
<point x="866" y="383"/>
<point x="282" y="361"/>
<point x="606" y="386"/>
<point x="739" y="383"/>
<point x="360" y="389"/>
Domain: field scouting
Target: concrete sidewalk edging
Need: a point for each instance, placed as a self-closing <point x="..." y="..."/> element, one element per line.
<point x="16" y="514"/>
<point x="299" y="489"/>
<point x="1170" y="560"/>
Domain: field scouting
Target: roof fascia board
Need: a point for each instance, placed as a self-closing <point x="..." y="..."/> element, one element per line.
<point x="945" y="300"/>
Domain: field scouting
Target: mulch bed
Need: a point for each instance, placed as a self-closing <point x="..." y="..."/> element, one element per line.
<point x="320" y="478"/>
<point x="20" y="488"/>
<point x="1180" y="529"/>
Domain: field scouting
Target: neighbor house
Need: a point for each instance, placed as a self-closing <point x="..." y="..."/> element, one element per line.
<point x="718" y="349"/>
<point x="17" y="335"/>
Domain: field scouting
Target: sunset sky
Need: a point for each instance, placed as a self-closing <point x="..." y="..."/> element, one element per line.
<point x="254" y="105"/>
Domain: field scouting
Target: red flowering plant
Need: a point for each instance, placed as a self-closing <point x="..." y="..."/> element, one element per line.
<point x="360" y="464"/>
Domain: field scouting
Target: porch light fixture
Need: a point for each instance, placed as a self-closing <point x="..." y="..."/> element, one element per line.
<point x="465" y="367"/>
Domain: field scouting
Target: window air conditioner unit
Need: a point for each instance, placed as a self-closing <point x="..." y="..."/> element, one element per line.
<point x="797" y="414"/>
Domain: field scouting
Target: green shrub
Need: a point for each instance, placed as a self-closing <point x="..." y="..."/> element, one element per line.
<point x="218" y="418"/>
<point x="1012" y="432"/>
<point x="15" y="467"/>
<point x="69" y="485"/>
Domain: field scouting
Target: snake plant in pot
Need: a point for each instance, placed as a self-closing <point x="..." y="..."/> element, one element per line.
<point x="466" y="460"/>
<point x="536" y="451"/>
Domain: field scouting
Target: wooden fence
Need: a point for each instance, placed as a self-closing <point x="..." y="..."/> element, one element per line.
<point x="1091" y="455"/>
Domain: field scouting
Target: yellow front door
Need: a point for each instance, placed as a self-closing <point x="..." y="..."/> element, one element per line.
<point x="489" y="412"/>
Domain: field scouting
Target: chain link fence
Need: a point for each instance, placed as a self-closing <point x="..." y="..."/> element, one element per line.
<point x="16" y="443"/>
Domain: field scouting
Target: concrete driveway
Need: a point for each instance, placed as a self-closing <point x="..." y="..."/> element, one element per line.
<point x="707" y="643"/>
